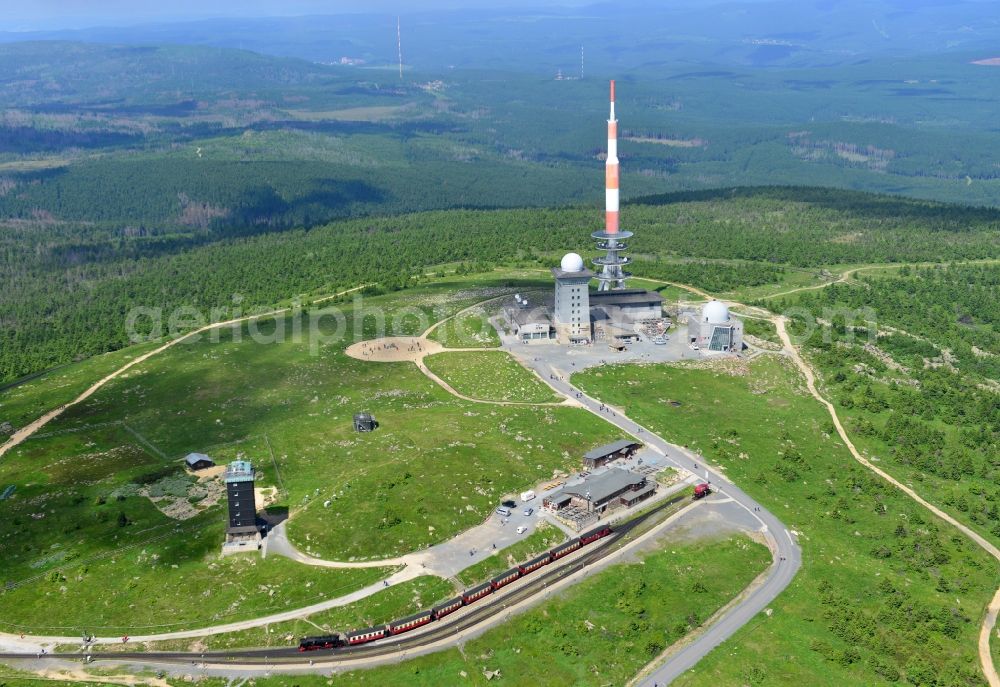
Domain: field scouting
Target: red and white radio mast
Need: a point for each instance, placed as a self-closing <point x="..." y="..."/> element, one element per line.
<point x="609" y="267"/>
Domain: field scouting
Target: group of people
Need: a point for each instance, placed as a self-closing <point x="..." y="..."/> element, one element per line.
<point x="605" y="409"/>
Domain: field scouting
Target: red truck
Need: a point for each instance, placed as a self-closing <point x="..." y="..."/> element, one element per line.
<point x="702" y="490"/>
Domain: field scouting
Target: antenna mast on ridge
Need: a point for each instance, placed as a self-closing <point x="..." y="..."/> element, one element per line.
<point x="399" y="48"/>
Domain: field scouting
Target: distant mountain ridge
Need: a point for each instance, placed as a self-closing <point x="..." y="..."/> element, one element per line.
<point x="622" y="35"/>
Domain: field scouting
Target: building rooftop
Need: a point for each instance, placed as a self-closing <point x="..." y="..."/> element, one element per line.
<point x="193" y="458"/>
<point x="600" y="486"/>
<point x="560" y="273"/>
<point x="643" y="492"/>
<point x="624" y="297"/>
<point x="239" y="471"/>
<point x="538" y="315"/>
<point x="607" y="449"/>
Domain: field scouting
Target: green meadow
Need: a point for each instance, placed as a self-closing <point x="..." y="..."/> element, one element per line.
<point x="886" y="592"/>
<point x="395" y="602"/>
<point x="599" y="632"/>
<point x="490" y="376"/>
<point x="83" y="530"/>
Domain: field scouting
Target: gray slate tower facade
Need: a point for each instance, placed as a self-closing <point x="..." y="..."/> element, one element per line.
<point x="572" y="302"/>
<point x="239" y="479"/>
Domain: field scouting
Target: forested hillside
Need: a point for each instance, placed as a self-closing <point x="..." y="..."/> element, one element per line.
<point x="167" y="139"/>
<point x="158" y="176"/>
<point x="911" y="358"/>
<point x="64" y="297"/>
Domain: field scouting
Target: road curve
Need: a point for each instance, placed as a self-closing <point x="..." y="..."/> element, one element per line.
<point x="785" y="550"/>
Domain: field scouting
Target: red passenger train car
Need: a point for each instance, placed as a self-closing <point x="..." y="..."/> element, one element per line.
<point x="475" y="593"/>
<point x="369" y="634"/>
<point x="566" y="548"/>
<point x="469" y="596"/>
<point x="450" y="606"/>
<point x="595" y="534"/>
<point x="535" y="563"/>
<point x="409" y="622"/>
<point x="505" y="578"/>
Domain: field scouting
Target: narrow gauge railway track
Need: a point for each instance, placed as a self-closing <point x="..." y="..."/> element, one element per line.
<point x="442" y="629"/>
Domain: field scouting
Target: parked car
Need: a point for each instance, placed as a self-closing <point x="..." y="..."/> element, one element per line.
<point x="522" y="529"/>
<point x="505" y="512"/>
<point x="528" y="511"/>
<point x="509" y="503"/>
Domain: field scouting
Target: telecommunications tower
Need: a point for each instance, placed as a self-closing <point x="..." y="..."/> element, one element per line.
<point x="399" y="48"/>
<point x="609" y="267"/>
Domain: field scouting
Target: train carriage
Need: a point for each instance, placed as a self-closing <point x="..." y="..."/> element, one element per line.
<point x="476" y="593"/>
<point x="450" y="606"/>
<point x="409" y="622"/>
<point x="595" y="534"/>
<point x="369" y="634"/>
<point x="505" y="578"/>
<point x="535" y="563"/>
<point x="566" y="548"/>
<point x="317" y="643"/>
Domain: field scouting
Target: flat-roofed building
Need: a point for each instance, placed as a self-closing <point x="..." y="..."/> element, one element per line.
<point x="598" y="457"/>
<point x="603" y="490"/>
<point x="627" y="306"/>
<point x="531" y="325"/>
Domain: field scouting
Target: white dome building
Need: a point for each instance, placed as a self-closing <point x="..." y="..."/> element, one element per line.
<point x="714" y="329"/>
<point x="715" y="312"/>
<point x="571" y="262"/>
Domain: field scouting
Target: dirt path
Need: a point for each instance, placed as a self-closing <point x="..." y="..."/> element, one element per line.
<point x="985" y="657"/>
<point x="430" y="330"/>
<point x="22" y="434"/>
<point x="426" y="345"/>
<point x="451" y="390"/>
<point x="395" y="349"/>
<point x="993" y="610"/>
<point x="847" y="274"/>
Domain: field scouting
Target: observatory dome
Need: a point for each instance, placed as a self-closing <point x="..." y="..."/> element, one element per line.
<point x="715" y="313"/>
<point x="572" y="262"/>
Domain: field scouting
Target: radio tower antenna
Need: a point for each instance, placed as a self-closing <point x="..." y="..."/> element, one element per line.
<point x="610" y="273"/>
<point x="581" y="62"/>
<point x="399" y="48"/>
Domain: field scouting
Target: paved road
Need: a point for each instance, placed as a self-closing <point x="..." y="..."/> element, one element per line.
<point x="786" y="552"/>
<point x="446" y="559"/>
<point x="457" y="628"/>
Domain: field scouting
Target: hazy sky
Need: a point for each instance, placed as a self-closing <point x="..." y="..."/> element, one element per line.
<point x="22" y="15"/>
